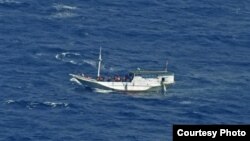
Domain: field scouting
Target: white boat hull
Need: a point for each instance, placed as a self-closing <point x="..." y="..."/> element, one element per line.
<point x="136" y="85"/>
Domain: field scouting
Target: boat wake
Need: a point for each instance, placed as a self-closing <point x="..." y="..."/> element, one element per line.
<point x="76" y="81"/>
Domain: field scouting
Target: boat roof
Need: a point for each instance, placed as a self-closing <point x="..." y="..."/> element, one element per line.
<point x="146" y="72"/>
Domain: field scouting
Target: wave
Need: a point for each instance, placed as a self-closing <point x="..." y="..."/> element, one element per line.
<point x="70" y="53"/>
<point x="55" y="104"/>
<point x="69" y="57"/>
<point x="36" y="105"/>
<point x="76" y="59"/>
<point x="64" y="11"/>
<point x="64" y="7"/>
<point x="13" y="4"/>
<point x="66" y="54"/>
<point x="9" y="2"/>
<point x="185" y="102"/>
<point x="62" y="15"/>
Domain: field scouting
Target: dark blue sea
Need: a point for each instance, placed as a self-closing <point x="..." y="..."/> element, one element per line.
<point x="207" y="45"/>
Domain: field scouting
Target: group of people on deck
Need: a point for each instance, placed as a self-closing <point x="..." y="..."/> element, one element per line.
<point x="116" y="78"/>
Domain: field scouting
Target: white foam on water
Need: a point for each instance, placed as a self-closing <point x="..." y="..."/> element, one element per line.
<point x="73" y="62"/>
<point x="9" y="101"/>
<point x="62" y="55"/>
<point x="35" y="104"/>
<point x="76" y="81"/>
<point x="103" y="91"/>
<point x="70" y="53"/>
<point x="55" y="104"/>
<point x="64" y="7"/>
<point x="70" y="57"/>
<point x="57" y="56"/>
<point x="64" y="11"/>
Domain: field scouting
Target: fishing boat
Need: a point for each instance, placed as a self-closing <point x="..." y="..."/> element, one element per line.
<point x="135" y="81"/>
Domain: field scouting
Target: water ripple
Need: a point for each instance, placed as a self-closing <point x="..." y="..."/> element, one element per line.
<point x="37" y="105"/>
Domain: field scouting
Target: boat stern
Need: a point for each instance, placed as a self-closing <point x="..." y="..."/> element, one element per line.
<point x="168" y="79"/>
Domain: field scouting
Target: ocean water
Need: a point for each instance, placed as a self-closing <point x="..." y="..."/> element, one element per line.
<point x="207" y="45"/>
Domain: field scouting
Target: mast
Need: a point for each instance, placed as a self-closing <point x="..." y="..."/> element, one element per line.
<point x="99" y="62"/>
